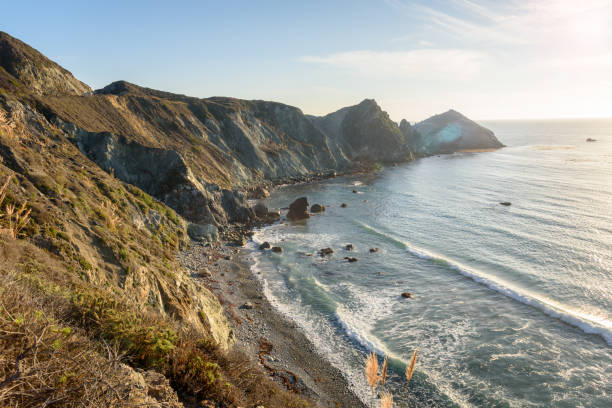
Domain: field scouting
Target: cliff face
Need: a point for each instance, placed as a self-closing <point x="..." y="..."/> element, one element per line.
<point x="188" y="150"/>
<point x="365" y="132"/>
<point x="35" y="71"/>
<point x="451" y="132"/>
<point x="196" y="154"/>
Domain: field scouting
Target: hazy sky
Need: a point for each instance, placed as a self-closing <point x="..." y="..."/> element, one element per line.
<point x="487" y="59"/>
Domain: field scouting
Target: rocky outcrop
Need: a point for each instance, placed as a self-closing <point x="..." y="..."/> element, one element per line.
<point x="298" y="210"/>
<point x="117" y="234"/>
<point x="35" y="71"/>
<point x="147" y="389"/>
<point x="365" y="132"/>
<point x="162" y="173"/>
<point x="317" y="208"/>
<point x="451" y="132"/>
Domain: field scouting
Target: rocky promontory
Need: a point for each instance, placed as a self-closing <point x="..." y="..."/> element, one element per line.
<point x="450" y="132"/>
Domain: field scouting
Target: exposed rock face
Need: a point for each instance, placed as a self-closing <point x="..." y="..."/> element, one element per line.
<point x="365" y="132"/>
<point x="148" y="285"/>
<point x="207" y="232"/>
<point x="146" y="388"/>
<point x="450" y="132"/>
<point x="259" y="193"/>
<point x="163" y="174"/>
<point x="298" y="210"/>
<point x="35" y="71"/>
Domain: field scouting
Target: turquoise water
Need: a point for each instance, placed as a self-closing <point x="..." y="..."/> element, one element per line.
<point x="511" y="307"/>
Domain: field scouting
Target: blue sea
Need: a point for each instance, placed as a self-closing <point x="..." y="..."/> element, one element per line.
<point x="511" y="305"/>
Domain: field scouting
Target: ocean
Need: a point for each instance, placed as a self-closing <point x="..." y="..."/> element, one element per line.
<point x="511" y="305"/>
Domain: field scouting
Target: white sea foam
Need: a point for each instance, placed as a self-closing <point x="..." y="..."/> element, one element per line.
<point x="588" y="323"/>
<point x="319" y="332"/>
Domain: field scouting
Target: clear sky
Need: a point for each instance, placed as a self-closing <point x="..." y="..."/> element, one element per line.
<point x="488" y="59"/>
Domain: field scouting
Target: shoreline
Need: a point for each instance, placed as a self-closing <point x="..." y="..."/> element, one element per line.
<point x="268" y="338"/>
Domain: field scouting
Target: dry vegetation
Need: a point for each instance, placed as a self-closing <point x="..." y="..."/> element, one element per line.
<point x="71" y="239"/>
<point x="374" y="376"/>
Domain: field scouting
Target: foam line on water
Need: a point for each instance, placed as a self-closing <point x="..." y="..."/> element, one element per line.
<point x="588" y="323"/>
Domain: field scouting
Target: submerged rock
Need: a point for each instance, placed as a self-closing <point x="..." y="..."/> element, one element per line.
<point x="298" y="210"/>
<point x="591" y="139"/>
<point x="326" y="251"/>
<point x="506" y="203"/>
<point x="349" y="247"/>
<point x="350" y="259"/>
<point x="372" y="250"/>
<point x="343" y="205"/>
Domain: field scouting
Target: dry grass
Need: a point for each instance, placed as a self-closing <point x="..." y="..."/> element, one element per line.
<point x="46" y="361"/>
<point x="371" y="372"/>
<point x="8" y="128"/>
<point x="111" y="219"/>
<point x="384" y="370"/>
<point x="15" y="218"/>
<point x="410" y="366"/>
<point x="76" y="313"/>
<point x="372" y="377"/>
<point x="386" y="401"/>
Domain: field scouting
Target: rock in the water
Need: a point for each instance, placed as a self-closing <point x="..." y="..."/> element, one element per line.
<point x="343" y="205"/>
<point x="298" y="210"/>
<point x="273" y="215"/>
<point x="355" y="191"/>
<point x="277" y="249"/>
<point x="350" y="259"/>
<point x="263" y="213"/>
<point x="203" y="233"/>
<point x="349" y="247"/>
<point x="326" y="251"/>
<point x="260" y="210"/>
<point x="406" y="295"/>
<point x="259" y="193"/>
<point x="589" y="139"/>
<point x="264" y="245"/>
<point x="372" y="250"/>
<point x="506" y="203"/>
<point x="317" y="208"/>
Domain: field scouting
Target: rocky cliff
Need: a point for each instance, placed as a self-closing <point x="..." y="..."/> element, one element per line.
<point x="451" y="132"/>
<point x="36" y="72"/>
<point x="365" y="132"/>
